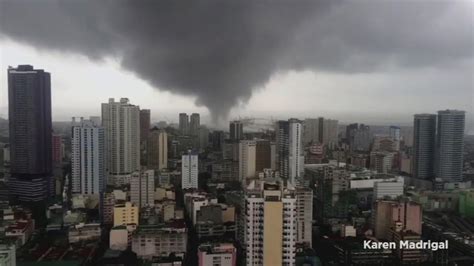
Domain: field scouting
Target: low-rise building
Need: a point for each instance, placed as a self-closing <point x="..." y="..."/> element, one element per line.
<point x="126" y="213"/>
<point x="160" y="240"/>
<point x="223" y="254"/>
<point x="84" y="232"/>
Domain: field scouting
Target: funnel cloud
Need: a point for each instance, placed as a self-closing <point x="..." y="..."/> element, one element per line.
<point x="222" y="51"/>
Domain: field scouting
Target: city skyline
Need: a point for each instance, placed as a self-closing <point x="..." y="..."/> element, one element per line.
<point x="421" y="71"/>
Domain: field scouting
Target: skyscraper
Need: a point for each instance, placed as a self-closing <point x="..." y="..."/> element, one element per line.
<point x="88" y="157"/>
<point x="247" y="160"/>
<point x="158" y="149"/>
<point x="189" y="170"/>
<point x="311" y="130"/>
<point x="144" y="131"/>
<point x="395" y="135"/>
<point x="57" y="152"/>
<point x="450" y="145"/>
<point x="236" y="130"/>
<point x="121" y="121"/>
<point x="144" y="125"/>
<point x="270" y="231"/>
<point x="194" y="124"/>
<point x="183" y="123"/>
<point x="424" y="137"/>
<point x="142" y="188"/>
<point x="263" y="153"/>
<point x="30" y="125"/>
<point x="290" y="151"/>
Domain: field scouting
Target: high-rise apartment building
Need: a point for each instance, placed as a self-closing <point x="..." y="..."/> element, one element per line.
<point x="194" y="124"/>
<point x="57" y="152"/>
<point x="304" y="215"/>
<point x="121" y="121"/>
<point x="236" y="129"/>
<point x="424" y="138"/>
<point x="30" y="125"/>
<point x="144" y="124"/>
<point x="450" y="145"/>
<point x="263" y="157"/>
<point x="395" y="136"/>
<point x="142" y="188"/>
<point x="290" y="150"/>
<point x="157" y="149"/>
<point x="329" y="130"/>
<point x="247" y="160"/>
<point x="183" y="124"/>
<point x="270" y="231"/>
<point x="189" y="170"/>
<point x="311" y="130"/>
<point x="88" y="157"/>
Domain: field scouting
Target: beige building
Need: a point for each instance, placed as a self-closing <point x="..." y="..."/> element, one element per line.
<point x="247" y="160"/>
<point x="126" y="213"/>
<point x="118" y="239"/>
<point x="270" y="231"/>
<point x="157" y="149"/>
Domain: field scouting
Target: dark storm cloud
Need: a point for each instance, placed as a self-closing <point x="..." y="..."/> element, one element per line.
<point x="220" y="51"/>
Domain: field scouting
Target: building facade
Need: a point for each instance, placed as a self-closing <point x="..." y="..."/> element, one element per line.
<point x="450" y="145"/>
<point x="189" y="170"/>
<point x="88" y="157"/>
<point x="142" y="188"/>
<point x="424" y="138"/>
<point x="121" y="121"/>
<point x="30" y="131"/>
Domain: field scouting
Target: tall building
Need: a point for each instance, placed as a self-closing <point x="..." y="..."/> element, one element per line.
<point x="450" y="145"/>
<point x="247" y="160"/>
<point x="328" y="129"/>
<point x="263" y="157"/>
<point x="194" y="124"/>
<point x="144" y="131"/>
<point x="30" y="125"/>
<point x="189" y="170"/>
<point x="121" y="121"/>
<point x="290" y="150"/>
<point x="88" y="157"/>
<point x="203" y="135"/>
<point x="395" y="136"/>
<point x="270" y="231"/>
<point x="57" y="152"/>
<point x="142" y="188"/>
<point x="424" y="138"/>
<point x="157" y="149"/>
<point x="183" y="124"/>
<point x="144" y="124"/>
<point x="304" y="215"/>
<point x="236" y="129"/>
<point x="311" y="130"/>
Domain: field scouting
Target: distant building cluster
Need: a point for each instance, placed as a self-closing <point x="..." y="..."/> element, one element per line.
<point x="122" y="189"/>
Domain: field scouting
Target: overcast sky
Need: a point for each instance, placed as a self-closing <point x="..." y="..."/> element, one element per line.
<point x="356" y="61"/>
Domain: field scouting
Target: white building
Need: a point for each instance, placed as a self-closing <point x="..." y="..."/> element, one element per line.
<point x="156" y="241"/>
<point x="270" y="231"/>
<point x="290" y="150"/>
<point x="247" y="159"/>
<point x="189" y="170"/>
<point x="88" y="158"/>
<point x="388" y="189"/>
<point x="121" y="121"/>
<point x="223" y="254"/>
<point x="142" y="188"/>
